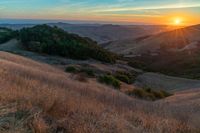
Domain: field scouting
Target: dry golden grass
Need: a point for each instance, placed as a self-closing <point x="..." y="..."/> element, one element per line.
<point x="58" y="103"/>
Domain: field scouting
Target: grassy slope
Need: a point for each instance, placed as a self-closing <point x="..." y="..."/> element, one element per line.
<point x="51" y="95"/>
<point x="146" y="79"/>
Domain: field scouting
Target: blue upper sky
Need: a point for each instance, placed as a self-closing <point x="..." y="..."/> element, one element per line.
<point x="144" y="11"/>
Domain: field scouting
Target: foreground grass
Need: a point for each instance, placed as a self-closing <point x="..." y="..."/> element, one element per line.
<point x="35" y="97"/>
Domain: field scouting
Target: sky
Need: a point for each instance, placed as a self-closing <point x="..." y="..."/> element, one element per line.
<point x="122" y="11"/>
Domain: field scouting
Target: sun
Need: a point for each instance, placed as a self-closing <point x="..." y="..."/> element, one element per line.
<point x="177" y="21"/>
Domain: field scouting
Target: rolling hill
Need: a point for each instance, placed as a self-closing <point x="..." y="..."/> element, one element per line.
<point x="174" y="53"/>
<point x="36" y="97"/>
<point x="176" y="40"/>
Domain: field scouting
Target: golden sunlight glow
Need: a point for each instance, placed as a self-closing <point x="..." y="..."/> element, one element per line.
<point x="177" y="21"/>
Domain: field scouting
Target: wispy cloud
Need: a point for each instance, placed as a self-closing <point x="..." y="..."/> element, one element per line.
<point x="175" y="6"/>
<point x="133" y="15"/>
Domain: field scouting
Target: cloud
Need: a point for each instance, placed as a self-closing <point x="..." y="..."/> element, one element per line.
<point x="133" y="15"/>
<point x="177" y="6"/>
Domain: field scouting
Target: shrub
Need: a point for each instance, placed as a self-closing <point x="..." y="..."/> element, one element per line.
<point x="71" y="69"/>
<point x="6" y="34"/>
<point x="166" y="94"/>
<point x="149" y="94"/>
<point x="125" y="77"/>
<point x="110" y="80"/>
<point x="141" y="93"/>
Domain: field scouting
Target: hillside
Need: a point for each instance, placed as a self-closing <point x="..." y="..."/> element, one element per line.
<point x="55" y="41"/>
<point x="176" y="40"/>
<point x="174" y="53"/>
<point x="36" y="97"/>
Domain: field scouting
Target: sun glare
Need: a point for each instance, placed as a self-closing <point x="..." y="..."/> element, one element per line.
<point x="177" y="21"/>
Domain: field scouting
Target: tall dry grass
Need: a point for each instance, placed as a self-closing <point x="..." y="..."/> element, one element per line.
<point x="56" y="102"/>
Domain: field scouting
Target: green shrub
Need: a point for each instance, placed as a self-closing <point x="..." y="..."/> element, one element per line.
<point x="71" y="69"/>
<point x="110" y="80"/>
<point x="165" y="94"/>
<point x="149" y="94"/>
<point x="125" y="77"/>
<point x="6" y="34"/>
<point x="88" y="72"/>
<point x="141" y="93"/>
<point x="137" y="92"/>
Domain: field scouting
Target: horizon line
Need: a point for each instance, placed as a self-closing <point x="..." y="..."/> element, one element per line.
<point x="47" y="21"/>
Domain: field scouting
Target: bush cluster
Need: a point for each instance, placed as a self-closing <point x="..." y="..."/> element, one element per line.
<point x="110" y="80"/>
<point x="71" y="69"/>
<point x="87" y="71"/>
<point x="6" y="34"/>
<point x="149" y="94"/>
<point x="126" y="77"/>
